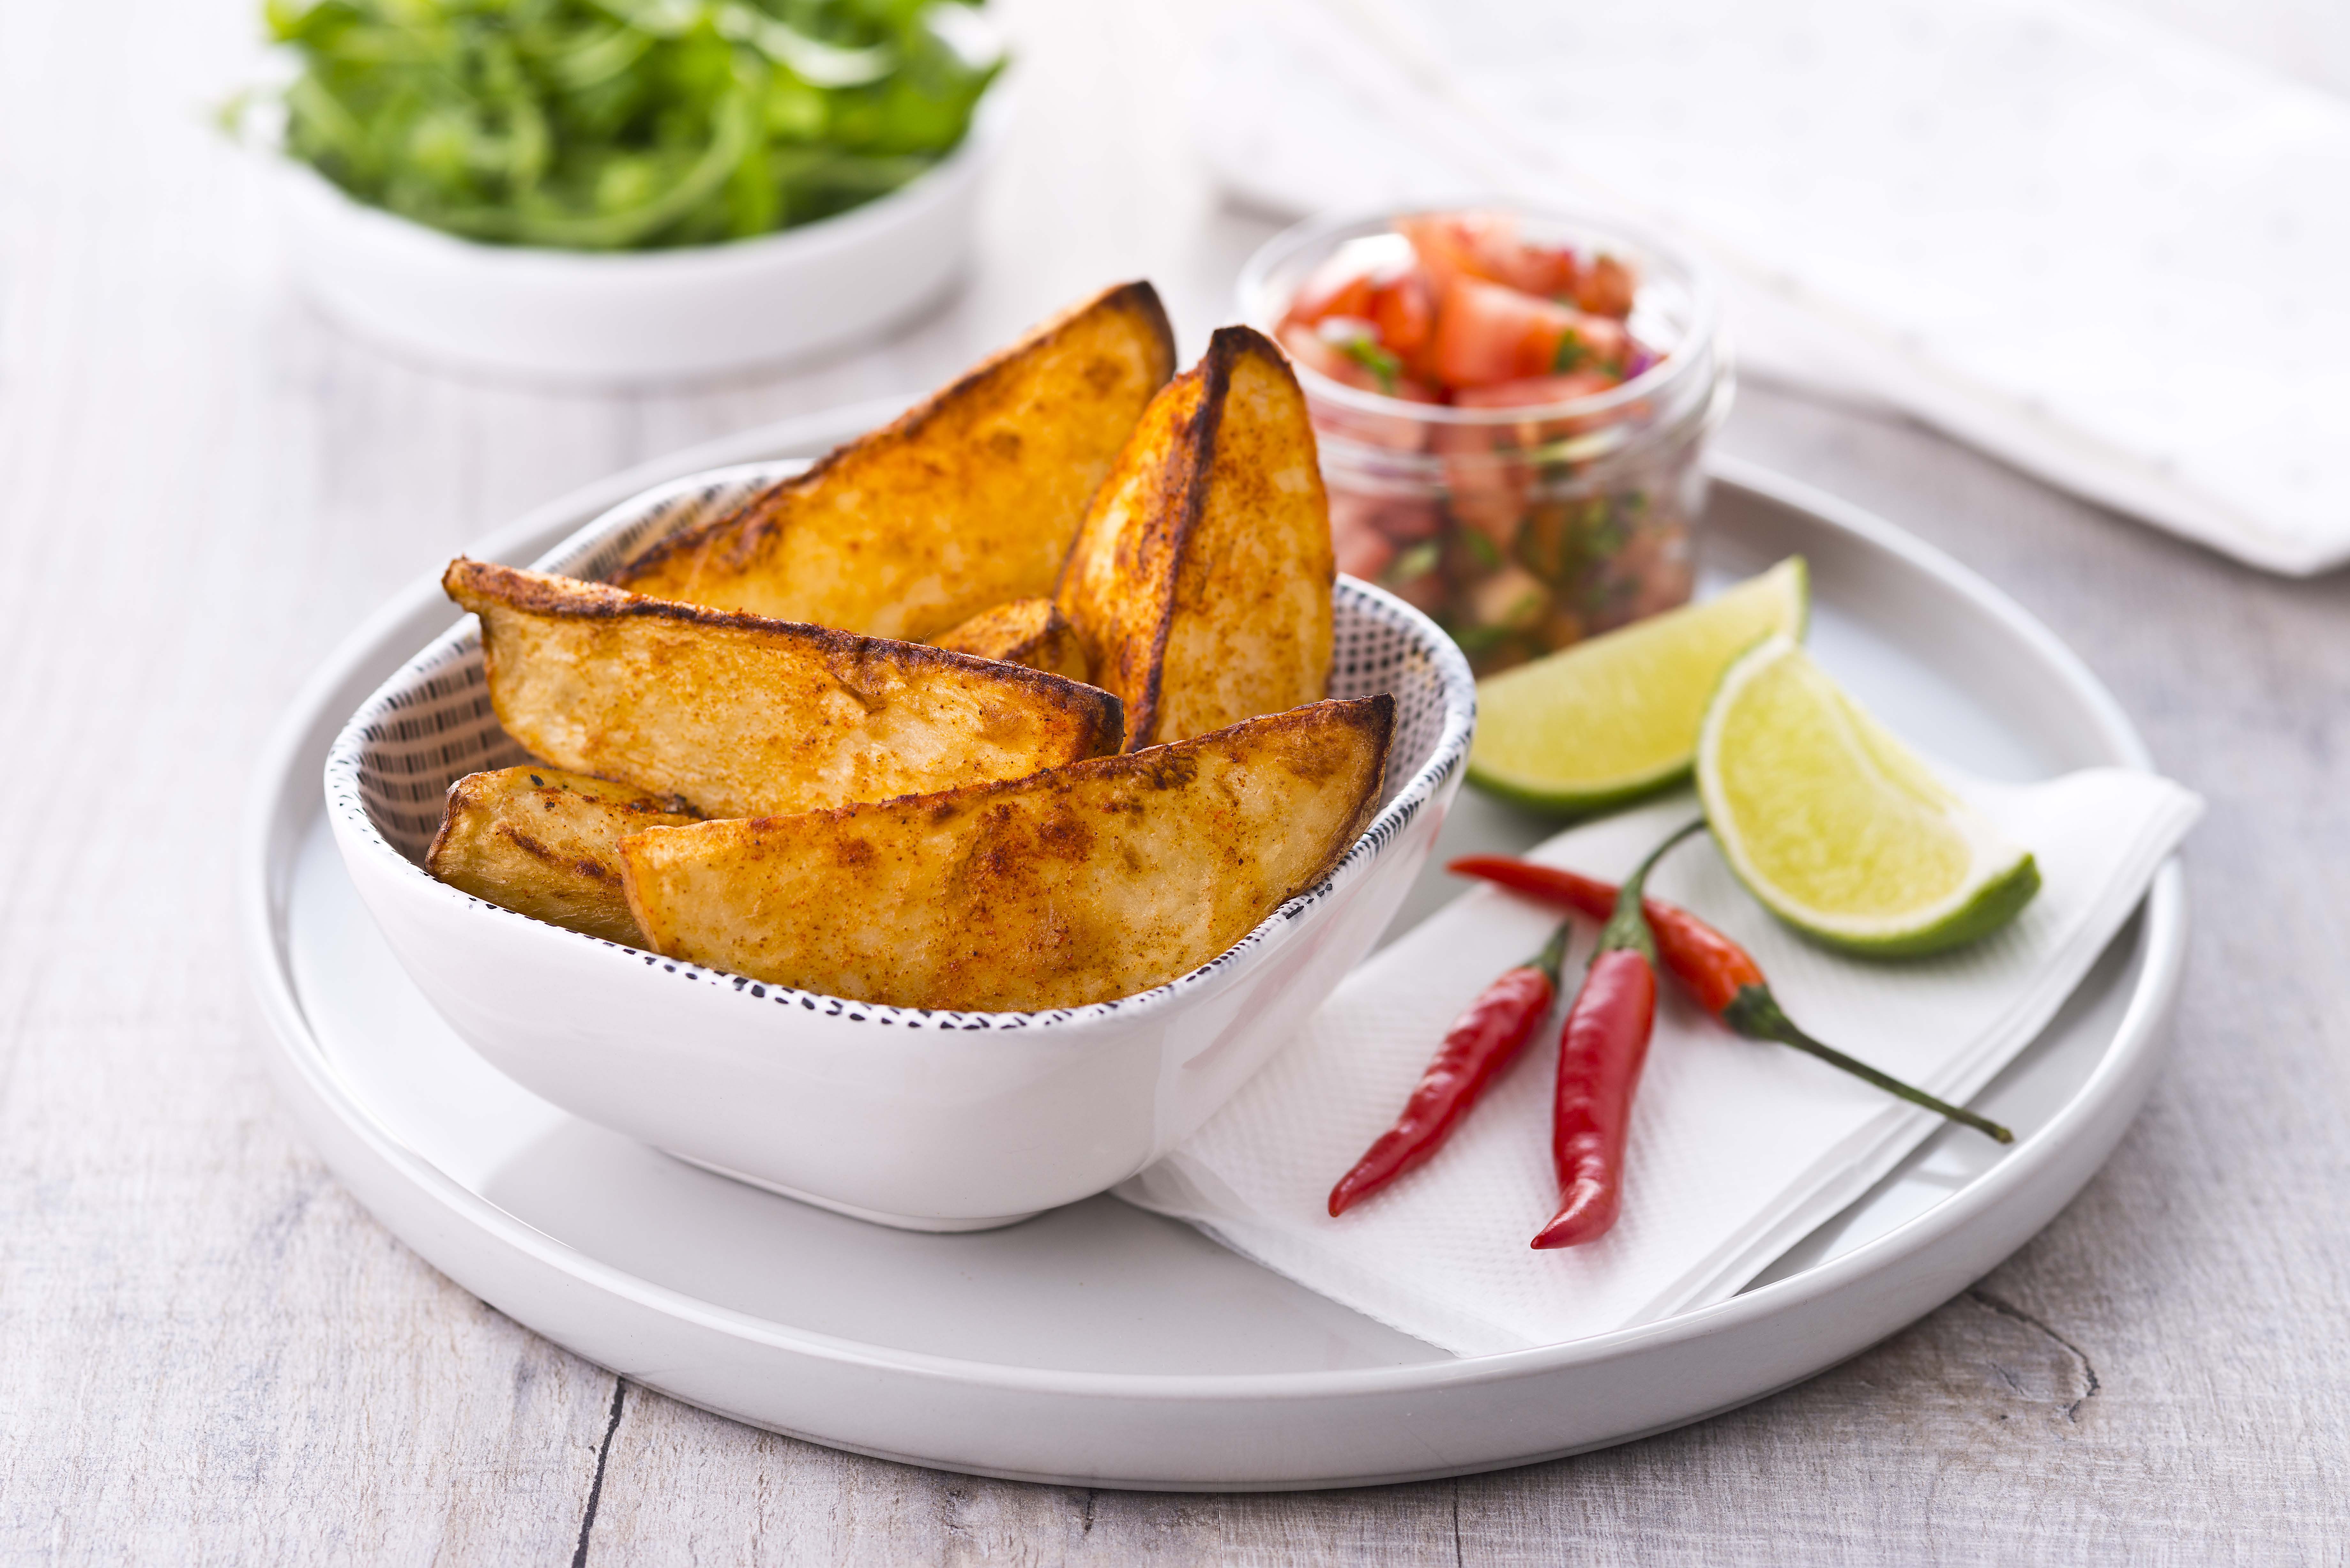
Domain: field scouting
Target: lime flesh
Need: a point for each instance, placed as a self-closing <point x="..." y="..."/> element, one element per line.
<point x="1836" y="827"/>
<point x="1617" y="716"/>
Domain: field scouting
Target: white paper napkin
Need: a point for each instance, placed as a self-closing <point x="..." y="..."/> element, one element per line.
<point x="1738" y="1147"/>
<point x="2083" y="242"/>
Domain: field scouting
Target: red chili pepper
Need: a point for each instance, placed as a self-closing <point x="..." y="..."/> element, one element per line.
<point x="1600" y="1053"/>
<point x="1723" y="976"/>
<point x="1483" y="1041"/>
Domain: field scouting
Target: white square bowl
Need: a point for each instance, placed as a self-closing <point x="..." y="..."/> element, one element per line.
<point x="926" y="1119"/>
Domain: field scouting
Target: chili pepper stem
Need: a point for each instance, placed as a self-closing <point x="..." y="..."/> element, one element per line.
<point x="1755" y="1012"/>
<point x="1627" y="926"/>
<point x="1552" y="958"/>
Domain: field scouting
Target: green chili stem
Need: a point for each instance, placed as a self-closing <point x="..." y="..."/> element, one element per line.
<point x="1552" y="958"/>
<point x="1755" y="1011"/>
<point x="1627" y="926"/>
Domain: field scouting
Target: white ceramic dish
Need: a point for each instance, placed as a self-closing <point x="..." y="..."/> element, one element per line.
<point x="1101" y="1346"/>
<point x="932" y="1120"/>
<point x="633" y="318"/>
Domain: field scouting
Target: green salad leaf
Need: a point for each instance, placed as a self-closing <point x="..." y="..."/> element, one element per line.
<point x="627" y="124"/>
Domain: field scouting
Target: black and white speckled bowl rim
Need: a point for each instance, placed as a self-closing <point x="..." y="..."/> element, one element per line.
<point x="1352" y="595"/>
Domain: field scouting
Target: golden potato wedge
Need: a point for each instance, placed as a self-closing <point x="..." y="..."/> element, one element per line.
<point x="1032" y="632"/>
<point x="1092" y="881"/>
<point x="969" y="500"/>
<point x="743" y="716"/>
<point x="546" y="843"/>
<point x="1201" y="581"/>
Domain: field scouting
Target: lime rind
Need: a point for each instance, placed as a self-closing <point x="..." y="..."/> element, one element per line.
<point x="1580" y="800"/>
<point x="1993" y="905"/>
<point x="2002" y="876"/>
<point x="1785" y="588"/>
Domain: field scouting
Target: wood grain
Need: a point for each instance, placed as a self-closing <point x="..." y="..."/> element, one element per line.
<point x="209" y="1353"/>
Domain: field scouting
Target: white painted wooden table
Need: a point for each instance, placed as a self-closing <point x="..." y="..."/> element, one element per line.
<point x="207" y="1351"/>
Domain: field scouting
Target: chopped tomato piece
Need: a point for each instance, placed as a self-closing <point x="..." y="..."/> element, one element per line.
<point x="1441" y="242"/>
<point x="1354" y="280"/>
<point x="1339" y="286"/>
<point x="1486" y="333"/>
<point x="1605" y="288"/>
<point x="1403" y="308"/>
<point x="1552" y="272"/>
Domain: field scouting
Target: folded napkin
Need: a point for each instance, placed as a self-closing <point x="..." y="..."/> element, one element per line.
<point x="1738" y="1147"/>
<point x="2077" y="240"/>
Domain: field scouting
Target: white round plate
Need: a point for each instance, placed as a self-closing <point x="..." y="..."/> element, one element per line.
<point x="1100" y="1346"/>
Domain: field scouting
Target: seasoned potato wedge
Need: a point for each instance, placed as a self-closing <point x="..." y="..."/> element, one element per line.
<point x="743" y="716"/>
<point x="969" y="500"/>
<point x="546" y="843"/>
<point x="1201" y="581"/>
<point x="1032" y="632"/>
<point x="1088" y="882"/>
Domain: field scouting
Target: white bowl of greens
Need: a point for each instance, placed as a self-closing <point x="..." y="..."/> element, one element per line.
<point x="630" y="190"/>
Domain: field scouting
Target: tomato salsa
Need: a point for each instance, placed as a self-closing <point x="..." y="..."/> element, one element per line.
<point x="1519" y="531"/>
<point x="1455" y="307"/>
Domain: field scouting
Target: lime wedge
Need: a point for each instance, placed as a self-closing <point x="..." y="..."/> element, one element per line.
<point x="1836" y="827"/>
<point x="1617" y="716"/>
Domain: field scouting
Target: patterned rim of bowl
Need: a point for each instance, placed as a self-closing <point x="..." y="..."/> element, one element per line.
<point x="431" y="722"/>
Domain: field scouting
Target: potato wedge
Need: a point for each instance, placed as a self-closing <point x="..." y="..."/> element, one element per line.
<point x="1201" y="581"/>
<point x="1032" y="632"/>
<point x="969" y="500"/>
<point x="743" y="716"/>
<point x="1092" y="881"/>
<point x="546" y="843"/>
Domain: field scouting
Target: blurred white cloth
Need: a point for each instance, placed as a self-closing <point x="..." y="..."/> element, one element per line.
<point x="1738" y="1147"/>
<point x="2111" y="256"/>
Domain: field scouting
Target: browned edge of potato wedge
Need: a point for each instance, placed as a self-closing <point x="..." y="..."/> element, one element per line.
<point x="1201" y="582"/>
<point x="545" y="843"/>
<point x="742" y="716"/>
<point x="1032" y="632"/>
<point x="1088" y="882"/>
<point x="967" y="500"/>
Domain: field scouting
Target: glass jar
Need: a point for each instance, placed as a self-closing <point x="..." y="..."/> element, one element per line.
<point x="1520" y="530"/>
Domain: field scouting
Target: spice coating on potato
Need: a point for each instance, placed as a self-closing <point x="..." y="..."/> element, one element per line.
<point x="546" y="843"/>
<point x="1082" y="884"/>
<point x="741" y="715"/>
<point x="1202" y="578"/>
<point x="968" y="501"/>
<point x="1032" y="632"/>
